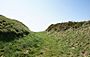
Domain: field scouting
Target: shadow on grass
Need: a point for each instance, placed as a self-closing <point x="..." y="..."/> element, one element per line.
<point x="7" y="37"/>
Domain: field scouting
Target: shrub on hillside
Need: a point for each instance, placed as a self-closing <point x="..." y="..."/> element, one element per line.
<point x="67" y="25"/>
<point x="10" y="28"/>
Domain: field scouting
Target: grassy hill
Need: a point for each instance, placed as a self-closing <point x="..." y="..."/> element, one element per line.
<point x="10" y="29"/>
<point x="56" y="41"/>
<point x="67" y="25"/>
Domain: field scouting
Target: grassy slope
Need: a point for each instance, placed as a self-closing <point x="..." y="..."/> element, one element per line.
<point x="69" y="43"/>
<point x="66" y="43"/>
<point x="11" y="29"/>
<point x="28" y="46"/>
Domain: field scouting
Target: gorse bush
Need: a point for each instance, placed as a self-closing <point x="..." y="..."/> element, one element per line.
<point x="10" y="28"/>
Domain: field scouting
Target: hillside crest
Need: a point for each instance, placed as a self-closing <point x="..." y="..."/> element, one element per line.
<point x="67" y="25"/>
<point x="10" y="28"/>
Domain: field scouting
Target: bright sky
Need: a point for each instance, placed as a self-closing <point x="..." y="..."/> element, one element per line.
<point x="39" y="14"/>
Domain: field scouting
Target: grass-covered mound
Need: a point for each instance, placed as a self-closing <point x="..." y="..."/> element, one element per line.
<point x="68" y="43"/>
<point x="73" y="42"/>
<point x="28" y="46"/>
<point x="67" y="25"/>
<point x="10" y="28"/>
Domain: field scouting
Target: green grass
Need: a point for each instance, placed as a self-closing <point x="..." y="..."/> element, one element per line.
<point x="28" y="46"/>
<point x="10" y="28"/>
<point x="67" y="25"/>
<point x="66" y="43"/>
<point x="69" y="43"/>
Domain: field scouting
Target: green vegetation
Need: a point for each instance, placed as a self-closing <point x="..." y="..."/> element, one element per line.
<point x="28" y="46"/>
<point x="67" y="25"/>
<point x="69" y="43"/>
<point x="10" y="29"/>
<point x="56" y="41"/>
